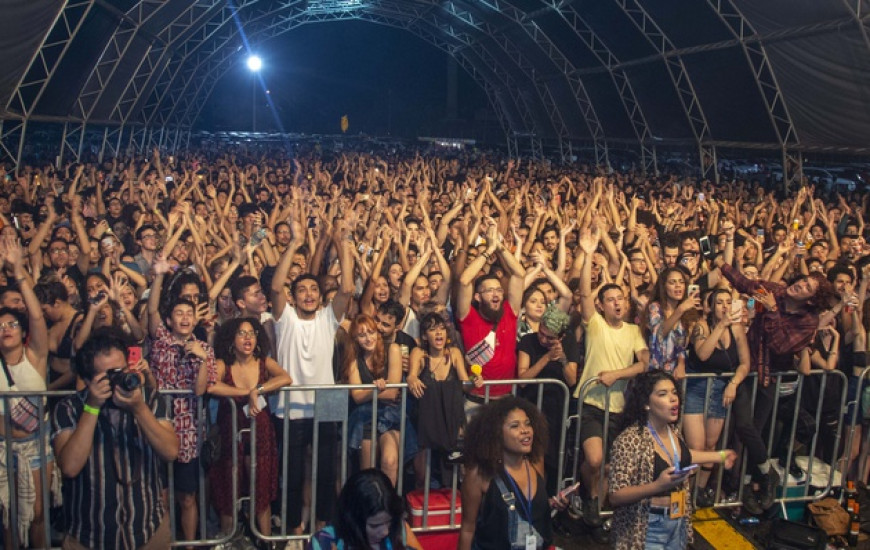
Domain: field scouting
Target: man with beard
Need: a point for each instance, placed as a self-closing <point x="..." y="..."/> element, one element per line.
<point x="489" y="329"/>
<point x="616" y="351"/>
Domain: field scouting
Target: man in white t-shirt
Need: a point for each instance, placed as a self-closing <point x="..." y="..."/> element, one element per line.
<point x="305" y="337"/>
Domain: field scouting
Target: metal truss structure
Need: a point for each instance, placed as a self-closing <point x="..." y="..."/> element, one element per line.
<point x="153" y="73"/>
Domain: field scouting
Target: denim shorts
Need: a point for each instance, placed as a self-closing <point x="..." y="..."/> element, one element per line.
<point x="696" y="391"/>
<point x="664" y="533"/>
<point x="31" y="443"/>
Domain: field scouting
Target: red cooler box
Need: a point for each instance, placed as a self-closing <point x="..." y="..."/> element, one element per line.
<point x="439" y="515"/>
<point x="439" y="507"/>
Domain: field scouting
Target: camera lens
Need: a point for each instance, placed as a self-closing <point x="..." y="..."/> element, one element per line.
<point x="127" y="381"/>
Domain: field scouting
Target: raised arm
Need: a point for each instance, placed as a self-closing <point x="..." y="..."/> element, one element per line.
<point x="465" y="290"/>
<point x="279" y="299"/>
<point x="38" y="332"/>
<point x="160" y="267"/>
<point x="588" y="242"/>
<point x="342" y="298"/>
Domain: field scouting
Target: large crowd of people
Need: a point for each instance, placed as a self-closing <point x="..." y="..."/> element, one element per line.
<point x="234" y="273"/>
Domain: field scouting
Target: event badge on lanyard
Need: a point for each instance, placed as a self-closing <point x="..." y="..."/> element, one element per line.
<point x="678" y="498"/>
<point x="524" y="527"/>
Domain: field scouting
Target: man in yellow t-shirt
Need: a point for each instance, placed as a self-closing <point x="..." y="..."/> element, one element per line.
<point x="615" y="352"/>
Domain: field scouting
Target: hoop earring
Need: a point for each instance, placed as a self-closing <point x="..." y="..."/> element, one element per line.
<point x="257" y="350"/>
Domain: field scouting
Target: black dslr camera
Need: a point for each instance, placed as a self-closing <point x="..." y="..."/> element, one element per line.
<point x="120" y="378"/>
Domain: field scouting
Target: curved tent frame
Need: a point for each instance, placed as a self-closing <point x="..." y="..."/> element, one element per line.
<point x="777" y="75"/>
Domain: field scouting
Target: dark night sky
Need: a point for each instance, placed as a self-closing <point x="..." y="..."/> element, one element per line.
<point x="319" y="72"/>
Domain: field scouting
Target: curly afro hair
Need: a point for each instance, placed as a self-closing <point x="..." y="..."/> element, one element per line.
<point x="484" y="442"/>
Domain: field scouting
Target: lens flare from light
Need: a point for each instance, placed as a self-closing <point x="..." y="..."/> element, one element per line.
<point x="255" y="63"/>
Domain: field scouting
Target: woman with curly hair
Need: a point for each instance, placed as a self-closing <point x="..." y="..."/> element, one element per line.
<point x="245" y="374"/>
<point x="649" y="482"/>
<point x="504" y="496"/>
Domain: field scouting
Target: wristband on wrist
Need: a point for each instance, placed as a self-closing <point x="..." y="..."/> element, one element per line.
<point x="723" y="456"/>
<point x="92" y="410"/>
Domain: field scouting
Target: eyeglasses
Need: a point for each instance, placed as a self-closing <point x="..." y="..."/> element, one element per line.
<point x="58" y="251"/>
<point x="247" y="333"/>
<point x="11" y="325"/>
<point x="149" y="236"/>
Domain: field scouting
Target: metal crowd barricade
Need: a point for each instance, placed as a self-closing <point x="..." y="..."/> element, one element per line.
<point x="331" y="404"/>
<point x="855" y="421"/>
<point x="724" y="437"/>
<point x="202" y="497"/>
<point x="43" y="430"/>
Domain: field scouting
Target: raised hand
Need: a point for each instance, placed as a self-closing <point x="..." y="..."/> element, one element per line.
<point x="160" y="266"/>
<point x="589" y="239"/>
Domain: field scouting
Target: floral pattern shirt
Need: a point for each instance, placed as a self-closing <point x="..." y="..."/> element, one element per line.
<point x="664" y="352"/>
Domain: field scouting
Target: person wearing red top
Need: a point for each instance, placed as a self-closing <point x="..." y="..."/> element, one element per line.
<point x="489" y="328"/>
<point x="786" y="325"/>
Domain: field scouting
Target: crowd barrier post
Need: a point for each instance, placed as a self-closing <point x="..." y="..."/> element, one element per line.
<point x="328" y="408"/>
<point x="791" y="425"/>
<point x="202" y="497"/>
<point x="10" y="475"/>
<point x="853" y="424"/>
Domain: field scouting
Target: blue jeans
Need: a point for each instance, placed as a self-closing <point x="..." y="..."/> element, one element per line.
<point x="664" y="533"/>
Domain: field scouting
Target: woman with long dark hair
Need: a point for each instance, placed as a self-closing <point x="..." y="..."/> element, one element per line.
<point x="24" y="362"/>
<point x="245" y="374"/>
<point x="717" y="346"/>
<point x="667" y="320"/>
<point x="368" y="517"/>
<point x="649" y="485"/>
<point x="435" y="378"/>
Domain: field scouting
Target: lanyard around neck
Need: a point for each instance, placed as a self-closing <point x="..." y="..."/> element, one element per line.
<point x="676" y="458"/>
<point x="525" y="504"/>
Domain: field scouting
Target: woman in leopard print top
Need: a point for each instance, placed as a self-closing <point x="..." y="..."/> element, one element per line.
<point x="642" y="467"/>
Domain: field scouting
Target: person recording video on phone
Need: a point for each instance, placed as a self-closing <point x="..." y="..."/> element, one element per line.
<point x="109" y="440"/>
<point x="651" y="465"/>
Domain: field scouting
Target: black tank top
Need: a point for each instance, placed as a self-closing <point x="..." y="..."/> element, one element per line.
<point x="720" y="361"/>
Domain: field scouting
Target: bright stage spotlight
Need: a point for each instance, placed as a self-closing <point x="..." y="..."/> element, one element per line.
<point x="255" y="63"/>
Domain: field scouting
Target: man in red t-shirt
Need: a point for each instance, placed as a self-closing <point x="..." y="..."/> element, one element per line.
<point x="489" y="326"/>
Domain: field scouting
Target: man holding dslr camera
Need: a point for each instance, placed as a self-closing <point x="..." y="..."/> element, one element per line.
<point x="110" y="439"/>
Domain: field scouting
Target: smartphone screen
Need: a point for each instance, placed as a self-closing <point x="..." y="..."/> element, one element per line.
<point x="134" y="355"/>
<point x="687" y="469"/>
<point x="706" y="249"/>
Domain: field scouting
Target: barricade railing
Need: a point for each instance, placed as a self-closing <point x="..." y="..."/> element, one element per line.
<point x="723" y="443"/>
<point x="331" y="405"/>
<point x="855" y="420"/>
<point x="43" y="433"/>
